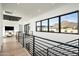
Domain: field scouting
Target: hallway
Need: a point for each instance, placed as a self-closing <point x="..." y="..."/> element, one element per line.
<point x="12" y="48"/>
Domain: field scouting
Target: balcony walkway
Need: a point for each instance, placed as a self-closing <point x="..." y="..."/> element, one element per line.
<point x="12" y="48"/>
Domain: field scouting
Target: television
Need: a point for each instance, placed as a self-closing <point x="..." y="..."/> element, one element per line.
<point x="8" y="28"/>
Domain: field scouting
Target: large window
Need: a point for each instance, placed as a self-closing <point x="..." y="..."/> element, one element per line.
<point x="69" y="23"/>
<point x="66" y="23"/>
<point x="54" y="24"/>
<point x="38" y="24"/>
<point x="45" y="25"/>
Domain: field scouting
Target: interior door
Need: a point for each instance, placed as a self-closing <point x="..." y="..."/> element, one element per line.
<point x="26" y="29"/>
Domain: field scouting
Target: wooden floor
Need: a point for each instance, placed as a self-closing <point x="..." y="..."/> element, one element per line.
<point x="12" y="48"/>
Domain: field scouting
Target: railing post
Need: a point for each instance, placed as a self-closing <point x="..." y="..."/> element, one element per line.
<point x="78" y="47"/>
<point x="33" y="45"/>
<point x="18" y="37"/>
<point x="23" y="39"/>
<point x="47" y="52"/>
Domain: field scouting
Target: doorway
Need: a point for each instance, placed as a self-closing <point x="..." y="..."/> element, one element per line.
<point x="26" y="28"/>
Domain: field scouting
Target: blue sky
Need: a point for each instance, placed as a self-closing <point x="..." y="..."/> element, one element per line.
<point x="70" y="18"/>
<point x="45" y="22"/>
<point x="53" y="21"/>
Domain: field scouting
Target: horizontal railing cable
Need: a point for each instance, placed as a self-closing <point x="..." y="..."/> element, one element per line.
<point x="40" y="46"/>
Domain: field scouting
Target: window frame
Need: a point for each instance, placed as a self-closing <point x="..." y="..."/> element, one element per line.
<point x="58" y="24"/>
<point x="47" y="25"/>
<point x="77" y="22"/>
<point x="37" y="26"/>
<point x="59" y="21"/>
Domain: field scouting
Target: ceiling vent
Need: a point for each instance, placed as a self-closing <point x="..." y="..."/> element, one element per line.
<point x="11" y="18"/>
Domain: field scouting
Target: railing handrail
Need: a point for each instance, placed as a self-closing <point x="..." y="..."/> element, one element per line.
<point x="68" y="42"/>
<point x="72" y="40"/>
<point x="54" y="41"/>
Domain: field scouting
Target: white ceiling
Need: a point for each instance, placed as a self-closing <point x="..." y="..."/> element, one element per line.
<point x="30" y="10"/>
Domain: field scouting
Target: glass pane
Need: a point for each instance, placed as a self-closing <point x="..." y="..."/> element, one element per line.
<point x="45" y="25"/>
<point x="69" y="23"/>
<point x="54" y="24"/>
<point x="38" y="26"/>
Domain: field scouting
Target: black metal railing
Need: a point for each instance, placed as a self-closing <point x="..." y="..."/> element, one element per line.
<point x="69" y="50"/>
<point x="38" y="46"/>
<point x="20" y="37"/>
<point x="53" y="47"/>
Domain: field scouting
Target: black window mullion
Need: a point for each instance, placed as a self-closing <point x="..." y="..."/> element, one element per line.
<point x="59" y="24"/>
<point x="36" y="26"/>
<point x="48" y="25"/>
<point x="78" y="22"/>
<point x="41" y="26"/>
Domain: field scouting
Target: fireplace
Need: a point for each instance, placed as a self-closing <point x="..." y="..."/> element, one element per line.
<point x="9" y="31"/>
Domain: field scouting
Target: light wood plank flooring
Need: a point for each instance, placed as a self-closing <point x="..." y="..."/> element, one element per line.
<point x="12" y="48"/>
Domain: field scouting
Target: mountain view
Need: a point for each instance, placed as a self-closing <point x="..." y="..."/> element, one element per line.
<point x="65" y="26"/>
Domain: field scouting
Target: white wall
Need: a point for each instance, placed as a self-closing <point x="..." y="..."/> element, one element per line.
<point x="15" y="12"/>
<point x="54" y="36"/>
<point x="1" y="39"/>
